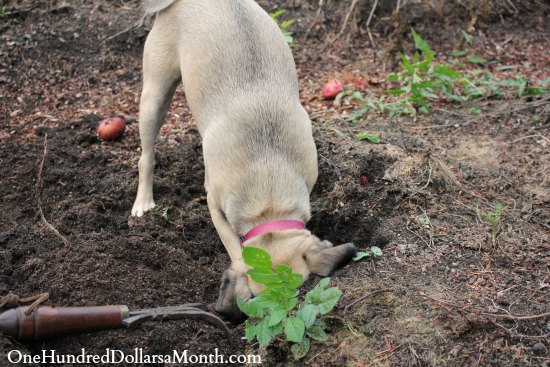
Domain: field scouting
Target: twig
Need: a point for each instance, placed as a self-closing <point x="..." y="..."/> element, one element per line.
<point x="39" y="194"/>
<point x="368" y="23"/>
<point x="531" y="136"/>
<point x="517" y="335"/>
<point x="344" y="25"/>
<point x="316" y="114"/>
<point x="364" y="298"/>
<point x="132" y="27"/>
<point x="482" y="313"/>
<point x="316" y="19"/>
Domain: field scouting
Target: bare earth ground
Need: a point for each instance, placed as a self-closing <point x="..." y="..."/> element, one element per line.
<point x="445" y="293"/>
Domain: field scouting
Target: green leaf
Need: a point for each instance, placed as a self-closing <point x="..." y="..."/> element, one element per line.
<point x="510" y="83"/>
<point x="251" y="308"/>
<point x="276" y="329"/>
<point x="422" y="45"/>
<point x="308" y="314"/>
<point x="443" y="70"/>
<point x="469" y="39"/>
<point x="507" y="67"/>
<point x="358" y="96"/>
<point x="263" y="333"/>
<point x="300" y="350"/>
<point x="475" y="110"/>
<point x="257" y="258"/>
<point x="376" y="251"/>
<point x="533" y="91"/>
<point x="286" y="275"/>
<point x="263" y="276"/>
<point x="407" y="64"/>
<point x="424" y="219"/>
<point x="323" y="283"/>
<point x="477" y="60"/>
<point x="358" y="114"/>
<point x="425" y="110"/>
<point x="277" y="315"/>
<point x="545" y="81"/>
<point x="369" y="137"/>
<point x="277" y="294"/>
<point x="521" y="88"/>
<point x="340" y="95"/>
<point x="329" y="299"/>
<point x="276" y="14"/>
<point x="459" y="53"/>
<point x="250" y="331"/>
<point x="294" y="329"/>
<point x="361" y="254"/>
<point x="289" y="39"/>
<point x="395" y="91"/>
<point x="317" y="332"/>
<point x="287" y="23"/>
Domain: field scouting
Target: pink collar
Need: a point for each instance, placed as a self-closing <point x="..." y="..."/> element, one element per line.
<point x="276" y="225"/>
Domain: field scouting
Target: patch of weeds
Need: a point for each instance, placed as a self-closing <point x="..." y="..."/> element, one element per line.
<point x="374" y="253"/>
<point x="284" y="25"/>
<point x="275" y="311"/>
<point x="423" y="79"/>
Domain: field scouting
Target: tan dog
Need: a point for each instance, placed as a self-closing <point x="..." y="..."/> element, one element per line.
<point x="260" y="158"/>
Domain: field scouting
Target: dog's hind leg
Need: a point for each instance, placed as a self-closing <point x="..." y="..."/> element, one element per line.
<point x="161" y="75"/>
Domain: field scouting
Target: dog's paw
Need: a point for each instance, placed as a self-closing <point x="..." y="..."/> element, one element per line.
<point x="140" y="207"/>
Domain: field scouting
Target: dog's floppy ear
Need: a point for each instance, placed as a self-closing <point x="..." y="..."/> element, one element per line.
<point x="322" y="259"/>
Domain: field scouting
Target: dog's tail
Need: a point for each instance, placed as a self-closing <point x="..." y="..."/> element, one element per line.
<point x="154" y="6"/>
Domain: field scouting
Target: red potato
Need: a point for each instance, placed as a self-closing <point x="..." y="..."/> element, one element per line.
<point x="331" y="89"/>
<point x="111" y="129"/>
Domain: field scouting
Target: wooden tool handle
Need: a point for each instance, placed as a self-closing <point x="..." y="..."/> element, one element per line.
<point x="47" y="321"/>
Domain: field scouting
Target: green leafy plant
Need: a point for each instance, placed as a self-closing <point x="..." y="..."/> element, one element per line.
<point x="284" y="25"/>
<point x="374" y="253"/>
<point x="423" y="79"/>
<point x="275" y="311"/>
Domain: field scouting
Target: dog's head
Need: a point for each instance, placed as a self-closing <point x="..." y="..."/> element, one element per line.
<point x="300" y="250"/>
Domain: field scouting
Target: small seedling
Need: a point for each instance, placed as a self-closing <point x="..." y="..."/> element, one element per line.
<point x="424" y="219"/>
<point x="368" y="137"/>
<point x="469" y="39"/>
<point x="374" y="253"/>
<point x="163" y="210"/>
<point x="493" y="218"/>
<point x="275" y="310"/>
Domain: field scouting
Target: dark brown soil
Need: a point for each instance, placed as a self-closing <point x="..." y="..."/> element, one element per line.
<point x="421" y="199"/>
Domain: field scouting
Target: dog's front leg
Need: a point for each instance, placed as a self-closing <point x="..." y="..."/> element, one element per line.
<point x="161" y="75"/>
<point x="234" y="283"/>
<point x="229" y="239"/>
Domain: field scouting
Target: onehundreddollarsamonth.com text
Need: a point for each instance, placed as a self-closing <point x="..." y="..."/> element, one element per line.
<point x="138" y="356"/>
